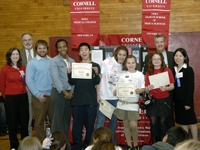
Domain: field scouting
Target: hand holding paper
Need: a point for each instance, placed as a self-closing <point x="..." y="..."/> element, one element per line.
<point x="159" y="80"/>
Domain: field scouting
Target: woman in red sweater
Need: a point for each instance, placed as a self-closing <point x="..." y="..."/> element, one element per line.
<point x="13" y="88"/>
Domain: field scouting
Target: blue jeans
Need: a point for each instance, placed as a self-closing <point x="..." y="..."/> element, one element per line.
<point x="112" y="123"/>
<point x="2" y="117"/>
<point x="83" y="115"/>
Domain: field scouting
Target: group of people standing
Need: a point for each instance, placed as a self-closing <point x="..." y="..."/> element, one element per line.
<point x="33" y="84"/>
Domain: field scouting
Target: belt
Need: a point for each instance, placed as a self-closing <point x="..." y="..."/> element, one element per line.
<point x="125" y="102"/>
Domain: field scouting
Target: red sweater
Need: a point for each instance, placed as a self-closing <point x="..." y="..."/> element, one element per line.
<point x="11" y="82"/>
<point x="157" y="93"/>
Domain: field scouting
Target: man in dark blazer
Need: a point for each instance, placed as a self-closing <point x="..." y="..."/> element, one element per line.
<point x="27" y="53"/>
<point x="160" y="43"/>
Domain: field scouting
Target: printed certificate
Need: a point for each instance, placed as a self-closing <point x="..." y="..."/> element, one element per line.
<point x="126" y="90"/>
<point x="82" y="70"/>
<point x="160" y="79"/>
<point x="106" y="108"/>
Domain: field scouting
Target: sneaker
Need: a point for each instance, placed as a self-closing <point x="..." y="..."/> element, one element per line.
<point x="135" y="148"/>
<point x="129" y="148"/>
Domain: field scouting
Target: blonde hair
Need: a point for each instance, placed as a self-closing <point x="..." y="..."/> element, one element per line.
<point x="30" y="143"/>
<point x="188" y="145"/>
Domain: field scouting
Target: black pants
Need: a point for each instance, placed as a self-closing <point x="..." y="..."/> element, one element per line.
<point x="16" y="107"/>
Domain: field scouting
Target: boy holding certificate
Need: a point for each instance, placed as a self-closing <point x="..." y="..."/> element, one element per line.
<point x="84" y="102"/>
<point x="127" y="107"/>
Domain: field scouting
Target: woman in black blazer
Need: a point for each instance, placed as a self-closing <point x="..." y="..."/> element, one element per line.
<point x="184" y="92"/>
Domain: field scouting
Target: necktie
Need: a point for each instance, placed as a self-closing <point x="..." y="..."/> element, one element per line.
<point x="29" y="56"/>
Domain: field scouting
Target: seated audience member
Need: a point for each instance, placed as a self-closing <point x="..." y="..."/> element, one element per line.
<point x="173" y="136"/>
<point x="102" y="140"/>
<point x="188" y="145"/>
<point x="59" y="141"/>
<point x="56" y="142"/>
<point x="30" y="143"/>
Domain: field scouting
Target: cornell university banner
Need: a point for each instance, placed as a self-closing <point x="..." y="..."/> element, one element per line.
<point x="85" y="26"/>
<point x="155" y="19"/>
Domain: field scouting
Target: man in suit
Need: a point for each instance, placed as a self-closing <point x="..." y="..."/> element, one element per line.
<point x="27" y="53"/>
<point x="160" y="43"/>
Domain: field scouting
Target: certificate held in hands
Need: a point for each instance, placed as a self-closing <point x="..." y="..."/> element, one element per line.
<point x="106" y="108"/>
<point x="82" y="70"/>
<point x="126" y="90"/>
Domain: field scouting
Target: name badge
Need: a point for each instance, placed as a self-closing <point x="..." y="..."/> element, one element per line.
<point x="179" y="75"/>
<point x="22" y="72"/>
<point x="178" y="82"/>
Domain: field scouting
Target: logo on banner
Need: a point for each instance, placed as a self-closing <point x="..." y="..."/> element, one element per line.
<point x="131" y="40"/>
<point x="157" y="1"/>
<point x="84" y="3"/>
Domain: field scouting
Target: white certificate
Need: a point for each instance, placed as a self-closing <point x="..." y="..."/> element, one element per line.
<point x="82" y="70"/>
<point x="126" y="90"/>
<point x="106" y="108"/>
<point x="161" y="79"/>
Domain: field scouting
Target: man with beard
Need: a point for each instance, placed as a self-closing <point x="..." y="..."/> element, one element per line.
<point x="39" y="82"/>
<point x="61" y="92"/>
<point x="27" y="53"/>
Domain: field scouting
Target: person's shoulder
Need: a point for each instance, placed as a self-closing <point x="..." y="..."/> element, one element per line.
<point x="189" y="69"/>
<point x="139" y="72"/>
<point x="89" y="147"/>
<point x="71" y="59"/>
<point x="167" y="69"/>
<point x="5" y="67"/>
<point x="22" y="50"/>
<point x="22" y="67"/>
<point x="170" y="54"/>
<point x="118" y="148"/>
<point x="163" y="146"/>
<point x="95" y="64"/>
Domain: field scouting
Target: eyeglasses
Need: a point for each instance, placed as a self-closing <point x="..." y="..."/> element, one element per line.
<point x="156" y="59"/>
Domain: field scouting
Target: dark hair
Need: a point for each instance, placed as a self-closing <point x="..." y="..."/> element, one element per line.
<point x="8" y="55"/>
<point x="41" y="42"/>
<point x="84" y="44"/>
<point x="159" y="36"/>
<point x="150" y="68"/>
<point x="59" y="140"/>
<point x="176" y="135"/>
<point x="60" y="40"/>
<point x="119" y="48"/>
<point x="184" y="53"/>
<point x="129" y="57"/>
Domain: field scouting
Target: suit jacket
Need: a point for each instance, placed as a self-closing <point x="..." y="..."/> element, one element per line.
<point x="170" y="59"/>
<point x="23" y="55"/>
<point x="185" y="93"/>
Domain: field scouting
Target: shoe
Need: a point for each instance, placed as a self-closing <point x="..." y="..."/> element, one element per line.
<point x="135" y="148"/>
<point x="2" y="133"/>
<point x="129" y="148"/>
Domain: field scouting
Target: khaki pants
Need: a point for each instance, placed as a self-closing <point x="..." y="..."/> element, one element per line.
<point x="40" y="113"/>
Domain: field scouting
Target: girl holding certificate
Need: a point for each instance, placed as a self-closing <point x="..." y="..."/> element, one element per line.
<point x="111" y="69"/>
<point x="184" y="92"/>
<point x="159" y="111"/>
<point x="127" y="107"/>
